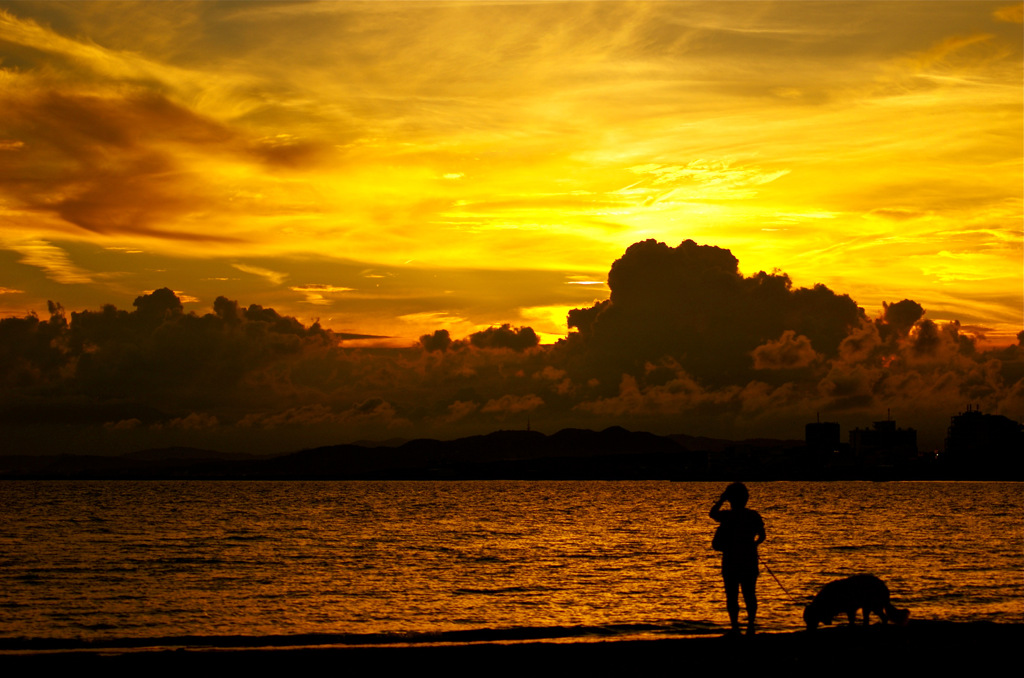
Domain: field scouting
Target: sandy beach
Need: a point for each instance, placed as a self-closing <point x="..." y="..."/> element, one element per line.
<point x="921" y="645"/>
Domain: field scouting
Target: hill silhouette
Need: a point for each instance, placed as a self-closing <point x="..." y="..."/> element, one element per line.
<point x="612" y="454"/>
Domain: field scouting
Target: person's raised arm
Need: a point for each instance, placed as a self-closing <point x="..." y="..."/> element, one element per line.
<point x="717" y="508"/>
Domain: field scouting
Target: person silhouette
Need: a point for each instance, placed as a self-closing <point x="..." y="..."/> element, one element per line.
<point x="739" y="532"/>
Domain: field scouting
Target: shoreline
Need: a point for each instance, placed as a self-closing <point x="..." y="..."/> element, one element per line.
<point x="921" y="645"/>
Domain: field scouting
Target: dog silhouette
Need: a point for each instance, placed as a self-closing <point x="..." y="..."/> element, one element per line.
<point x="860" y="592"/>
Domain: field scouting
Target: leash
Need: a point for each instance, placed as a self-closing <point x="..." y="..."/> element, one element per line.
<point x="763" y="562"/>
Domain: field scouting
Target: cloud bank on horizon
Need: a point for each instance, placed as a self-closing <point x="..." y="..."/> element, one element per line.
<point x="684" y="343"/>
<point x="390" y="168"/>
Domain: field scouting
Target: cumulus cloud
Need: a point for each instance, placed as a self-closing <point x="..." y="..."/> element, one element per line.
<point x="493" y="338"/>
<point x="370" y="411"/>
<point x="550" y="373"/>
<point x="459" y="410"/>
<point x="788" y="352"/>
<point x="294" y="416"/>
<point x="633" y="399"/>
<point x="123" y="424"/>
<point x="861" y="343"/>
<point x="440" y="340"/>
<point x="902" y="315"/>
<point x="512" y="404"/>
<point x="194" y="421"/>
<point x="691" y="303"/>
<point x="516" y="339"/>
<point x="684" y="343"/>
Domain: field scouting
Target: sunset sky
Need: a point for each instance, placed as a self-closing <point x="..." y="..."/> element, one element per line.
<point x="398" y="168"/>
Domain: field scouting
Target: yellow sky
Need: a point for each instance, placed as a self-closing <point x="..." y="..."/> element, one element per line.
<point x="394" y="168"/>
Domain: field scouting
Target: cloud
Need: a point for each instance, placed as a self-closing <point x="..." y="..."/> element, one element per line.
<point x="512" y="404"/>
<point x="53" y="261"/>
<point x="374" y="411"/>
<point x="273" y="277"/>
<point x="112" y="164"/>
<point x="85" y="54"/>
<point x="690" y="303"/>
<point x="165" y="125"/>
<point x="438" y="341"/>
<point x="194" y="421"/>
<point x="177" y="360"/>
<point x="550" y="373"/>
<point x="901" y="316"/>
<point x="505" y="336"/>
<point x="685" y="343"/>
<point x="701" y="180"/>
<point x="307" y="415"/>
<point x="861" y="344"/>
<point x="788" y="352"/>
<point x="123" y="424"/>
<point x="1013" y="14"/>
<point x="459" y="410"/>
<point x="315" y="292"/>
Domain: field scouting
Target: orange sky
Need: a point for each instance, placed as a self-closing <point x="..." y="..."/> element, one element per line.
<point x="394" y="168"/>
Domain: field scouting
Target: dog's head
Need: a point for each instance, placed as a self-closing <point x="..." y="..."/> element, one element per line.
<point x="814" y="616"/>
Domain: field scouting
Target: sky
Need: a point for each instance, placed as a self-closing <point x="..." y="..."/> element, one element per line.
<point x="404" y="218"/>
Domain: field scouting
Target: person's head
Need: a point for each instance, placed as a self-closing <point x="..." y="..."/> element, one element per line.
<point x="737" y="494"/>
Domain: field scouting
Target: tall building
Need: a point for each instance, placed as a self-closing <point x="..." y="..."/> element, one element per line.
<point x="822" y="437"/>
<point x="883" y="444"/>
<point x="984" y="442"/>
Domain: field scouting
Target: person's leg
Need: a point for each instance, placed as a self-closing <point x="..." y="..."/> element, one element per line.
<point x="732" y="598"/>
<point x="749" y="585"/>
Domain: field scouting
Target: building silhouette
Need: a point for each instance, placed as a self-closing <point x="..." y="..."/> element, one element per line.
<point x="986" y="444"/>
<point x="883" y="444"/>
<point x="822" y="437"/>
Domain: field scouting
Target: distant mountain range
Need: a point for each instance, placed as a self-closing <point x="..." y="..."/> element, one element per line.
<point x="569" y="454"/>
<point x="611" y="454"/>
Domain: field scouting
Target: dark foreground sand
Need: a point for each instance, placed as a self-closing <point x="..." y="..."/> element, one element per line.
<point x="921" y="646"/>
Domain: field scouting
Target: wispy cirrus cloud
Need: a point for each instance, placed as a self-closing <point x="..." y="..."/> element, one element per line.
<point x="273" y="277"/>
<point x="51" y="259"/>
<point x="318" y="294"/>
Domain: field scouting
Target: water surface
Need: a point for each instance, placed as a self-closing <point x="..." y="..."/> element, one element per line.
<point x="118" y="560"/>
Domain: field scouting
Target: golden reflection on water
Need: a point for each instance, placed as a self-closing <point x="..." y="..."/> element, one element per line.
<point x="264" y="558"/>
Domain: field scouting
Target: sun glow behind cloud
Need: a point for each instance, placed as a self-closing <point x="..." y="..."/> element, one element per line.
<point x="483" y="155"/>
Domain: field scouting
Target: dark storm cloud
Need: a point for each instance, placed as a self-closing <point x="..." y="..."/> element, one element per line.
<point x="502" y="337"/>
<point x="684" y="335"/>
<point x="517" y="339"/>
<point x="928" y="340"/>
<point x="684" y="344"/>
<point x="790" y="351"/>
<point x="156" y="353"/>
<point x="439" y="340"/>
<point x="30" y="350"/>
<point x="691" y="303"/>
<point x="902" y="315"/>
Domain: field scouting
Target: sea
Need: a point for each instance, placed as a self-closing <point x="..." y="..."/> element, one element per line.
<point x="253" y="564"/>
